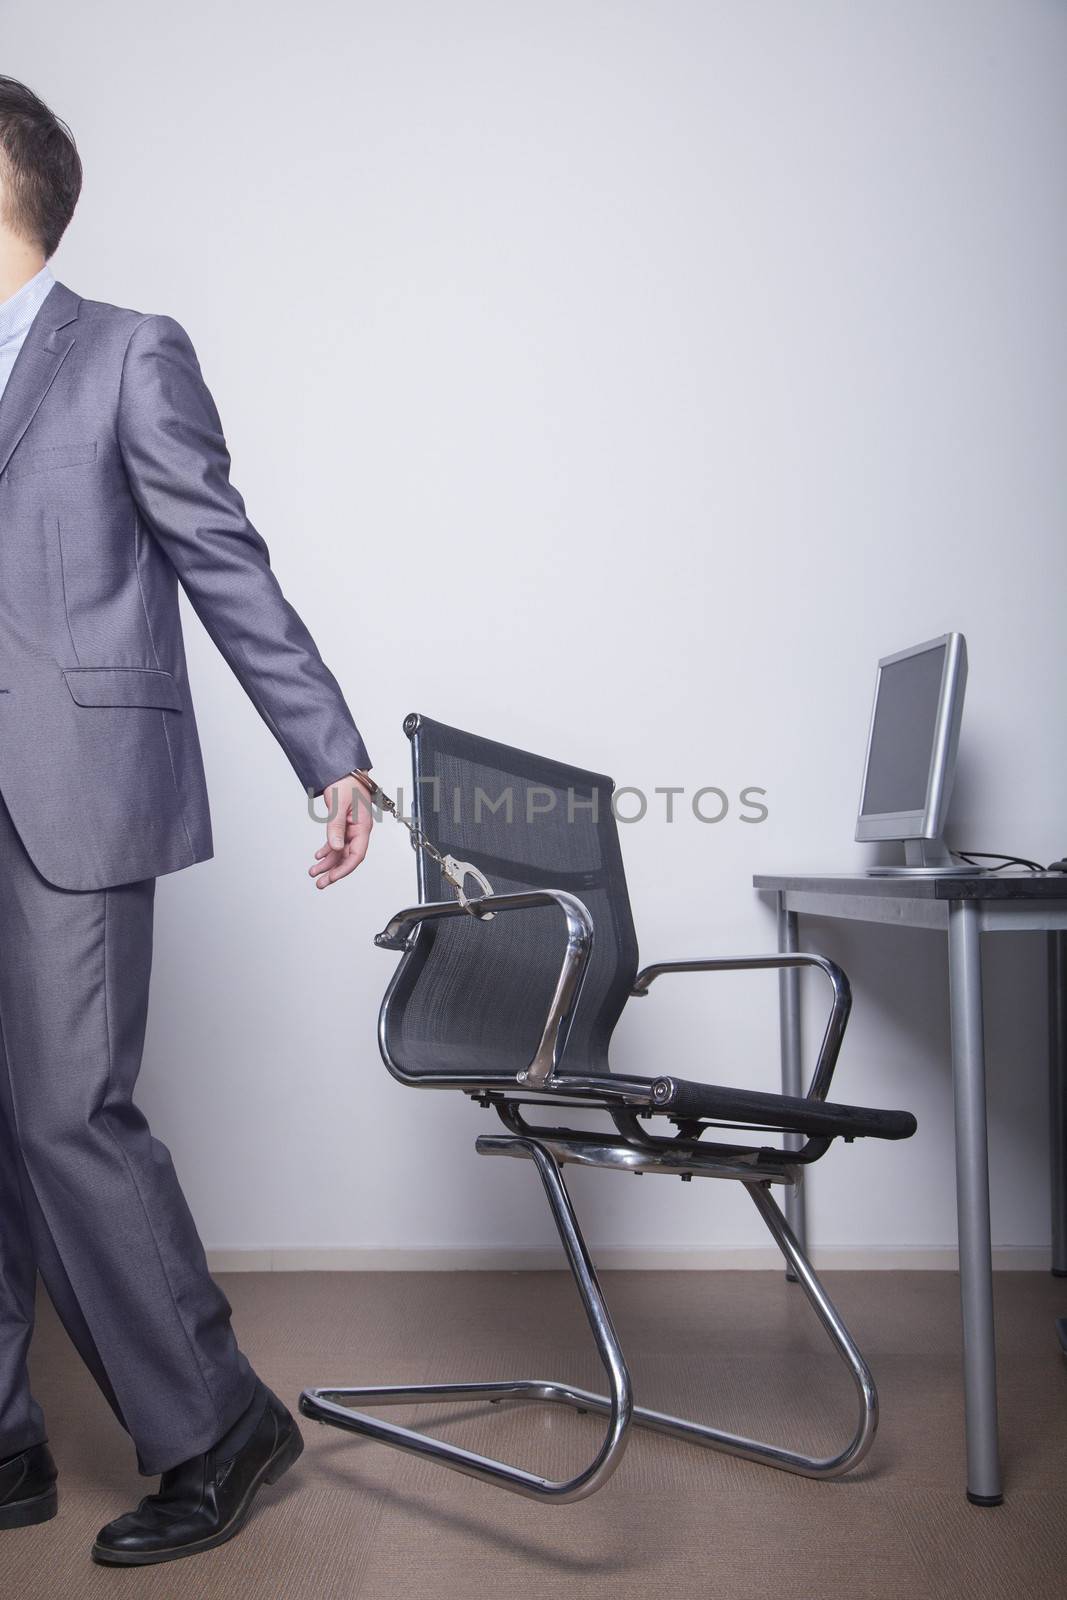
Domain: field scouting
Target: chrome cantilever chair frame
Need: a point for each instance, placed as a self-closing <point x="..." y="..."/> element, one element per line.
<point x="630" y="1150"/>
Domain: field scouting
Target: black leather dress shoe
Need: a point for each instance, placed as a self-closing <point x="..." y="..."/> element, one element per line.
<point x="28" y="1488"/>
<point x="203" y="1502"/>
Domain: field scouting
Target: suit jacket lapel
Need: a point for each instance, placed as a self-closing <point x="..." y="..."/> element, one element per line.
<point x="46" y="346"/>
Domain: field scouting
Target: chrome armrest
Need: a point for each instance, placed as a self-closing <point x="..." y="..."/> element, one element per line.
<point x="397" y="935"/>
<point x="839" y="1010"/>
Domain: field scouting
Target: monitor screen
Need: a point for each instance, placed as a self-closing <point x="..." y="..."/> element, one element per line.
<point x="903" y="733"/>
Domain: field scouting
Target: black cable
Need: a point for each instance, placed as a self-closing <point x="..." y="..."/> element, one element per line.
<point x="993" y="855"/>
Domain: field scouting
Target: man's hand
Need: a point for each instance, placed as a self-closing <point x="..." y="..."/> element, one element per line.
<point x="348" y="803"/>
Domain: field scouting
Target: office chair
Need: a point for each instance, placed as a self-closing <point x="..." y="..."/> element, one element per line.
<point x="512" y="999"/>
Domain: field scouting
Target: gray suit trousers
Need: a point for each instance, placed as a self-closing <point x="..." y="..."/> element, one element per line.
<point x="87" y="1195"/>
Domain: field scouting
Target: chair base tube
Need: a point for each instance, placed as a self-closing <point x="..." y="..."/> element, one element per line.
<point x="336" y="1406"/>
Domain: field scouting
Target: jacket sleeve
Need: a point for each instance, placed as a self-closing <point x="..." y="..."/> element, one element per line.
<point x="178" y="465"/>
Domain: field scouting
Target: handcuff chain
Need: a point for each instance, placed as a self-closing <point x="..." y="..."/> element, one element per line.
<point x="454" y="872"/>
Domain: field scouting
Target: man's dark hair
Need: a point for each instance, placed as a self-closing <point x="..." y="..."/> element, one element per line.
<point x="40" y="169"/>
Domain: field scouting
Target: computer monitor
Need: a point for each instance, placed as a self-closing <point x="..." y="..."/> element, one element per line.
<point x="911" y="753"/>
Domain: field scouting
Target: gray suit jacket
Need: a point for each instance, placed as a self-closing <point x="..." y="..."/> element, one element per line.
<point x="114" y="487"/>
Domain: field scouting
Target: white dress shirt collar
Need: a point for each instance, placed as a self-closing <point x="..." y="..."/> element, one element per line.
<point x="17" y="313"/>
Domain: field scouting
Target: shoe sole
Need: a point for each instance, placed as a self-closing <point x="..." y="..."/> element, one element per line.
<point x="277" y="1466"/>
<point x="27" y="1513"/>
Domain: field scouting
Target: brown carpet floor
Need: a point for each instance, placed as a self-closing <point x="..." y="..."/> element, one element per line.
<point x="355" y="1519"/>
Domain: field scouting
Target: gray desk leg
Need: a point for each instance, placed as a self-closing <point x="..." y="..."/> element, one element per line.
<point x="972" y="1203"/>
<point x="789" y="1032"/>
<point x="1057" y="1050"/>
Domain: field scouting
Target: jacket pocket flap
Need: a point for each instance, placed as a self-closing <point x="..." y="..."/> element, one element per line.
<point x="123" y="686"/>
<point x="26" y="462"/>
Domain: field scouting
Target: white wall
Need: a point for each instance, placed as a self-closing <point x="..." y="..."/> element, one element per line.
<point x="620" y="380"/>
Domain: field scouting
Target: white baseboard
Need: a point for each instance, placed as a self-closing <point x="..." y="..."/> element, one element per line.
<point x="1010" y="1258"/>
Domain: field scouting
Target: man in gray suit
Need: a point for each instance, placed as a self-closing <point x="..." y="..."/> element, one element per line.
<point x="114" y="488"/>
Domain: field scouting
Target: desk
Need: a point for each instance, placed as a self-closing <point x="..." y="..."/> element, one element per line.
<point x="965" y="908"/>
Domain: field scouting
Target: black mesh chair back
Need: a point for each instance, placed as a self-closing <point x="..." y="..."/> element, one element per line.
<point x="469" y="1000"/>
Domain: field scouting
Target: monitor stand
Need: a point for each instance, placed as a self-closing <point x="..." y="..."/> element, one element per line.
<point x="926" y="858"/>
